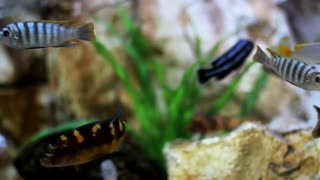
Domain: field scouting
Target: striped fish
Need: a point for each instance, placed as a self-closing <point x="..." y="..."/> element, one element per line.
<point x="298" y="73"/>
<point x="42" y="34"/>
<point x="85" y="143"/>
<point x="228" y="62"/>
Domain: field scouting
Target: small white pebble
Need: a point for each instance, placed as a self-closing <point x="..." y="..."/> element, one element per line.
<point x="109" y="170"/>
<point x="3" y="143"/>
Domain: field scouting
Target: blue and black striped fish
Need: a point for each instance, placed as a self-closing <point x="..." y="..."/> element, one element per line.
<point x="229" y="61"/>
<point x="290" y="69"/>
<point x="42" y="34"/>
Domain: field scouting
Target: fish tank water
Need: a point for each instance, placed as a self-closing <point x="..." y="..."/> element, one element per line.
<point x="134" y="90"/>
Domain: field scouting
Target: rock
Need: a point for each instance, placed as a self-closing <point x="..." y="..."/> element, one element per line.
<point x="268" y="106"/>
<point x="83" y="81"/>
<point x="3" y="143"/>
<point x="262" y="22"/>
<point x="7" y="171"/>
<point x="303" y="18"/>
<point x="250" y="152"/>
<point x="108" y="170"/>
<point x="24" y="110"/>
<point x="6" y="68"/>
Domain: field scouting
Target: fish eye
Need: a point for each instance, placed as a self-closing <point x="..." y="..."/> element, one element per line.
<point x="317" y="79"/>
<point x="5" y="33"/>
<point x="307" y="79"/>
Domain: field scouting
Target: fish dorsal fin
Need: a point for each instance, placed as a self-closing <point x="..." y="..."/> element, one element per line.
<point x="308" y="53"/>
<point x="4" y="21"/>
<point x="276" y="55"/>
<point x="67" y="23"/>
<point x="273" y="53"/>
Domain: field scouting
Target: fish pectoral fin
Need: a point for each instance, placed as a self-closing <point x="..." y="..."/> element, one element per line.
<point x="308" y="53"/>
<point x="71" y="43"/>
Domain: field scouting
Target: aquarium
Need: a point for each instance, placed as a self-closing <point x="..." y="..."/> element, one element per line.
<point x="177" y="90"/>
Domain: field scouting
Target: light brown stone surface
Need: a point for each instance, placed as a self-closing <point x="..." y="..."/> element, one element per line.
<point x="250" y="152"/>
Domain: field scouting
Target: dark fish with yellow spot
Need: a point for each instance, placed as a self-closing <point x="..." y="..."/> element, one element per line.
<point x="42" y="34"/>
<point x="291" y="69"/>
<point x="85" y="143"/>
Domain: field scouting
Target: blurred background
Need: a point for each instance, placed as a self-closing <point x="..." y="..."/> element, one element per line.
<point x="144" y="59"/>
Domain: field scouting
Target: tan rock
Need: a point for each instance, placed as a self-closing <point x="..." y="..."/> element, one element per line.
<point x="84" y="82"/>
<point x="250" y="152"/>
<point x="303" y="18"/>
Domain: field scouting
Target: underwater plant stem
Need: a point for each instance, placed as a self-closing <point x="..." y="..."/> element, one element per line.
<point x="253" y="95"/>
<point x="119" y="70"/>
<point x="228" y="93"/>
<point x="144" y="75"/>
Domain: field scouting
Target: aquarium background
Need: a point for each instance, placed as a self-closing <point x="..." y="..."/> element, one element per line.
<point x="248" y="125"/>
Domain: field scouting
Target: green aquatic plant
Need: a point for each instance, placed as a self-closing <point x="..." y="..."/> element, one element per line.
<point x="162" y="116"/>
<point x="63" y="127"/>
<point x="163" y="113"/>
<point x="227" y="95"/>
<point x="254" y="94"/>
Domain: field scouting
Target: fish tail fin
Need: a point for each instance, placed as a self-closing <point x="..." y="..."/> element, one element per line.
<point x="260" y="56"/>
<point x="86" y="32"/>
<point x="223" y="75"/>
<point x="202" y="77"/>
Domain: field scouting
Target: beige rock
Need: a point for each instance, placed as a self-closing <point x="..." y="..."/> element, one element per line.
<point x="268" y="105"/>
<point x="250" y="152"/>
<point x="24" y="111"/>
<point x="83" y="81"/>
<point x="7" y="73"/>
<point x="212" y="20"/>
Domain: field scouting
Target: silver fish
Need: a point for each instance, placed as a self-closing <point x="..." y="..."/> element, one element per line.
<point x="42" y="34"/>
<point x="298" y="73"/>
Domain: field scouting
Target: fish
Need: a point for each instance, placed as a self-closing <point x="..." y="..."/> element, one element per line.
<point x="294" y="71"/>
<point x="205" y="124"/>
<point x="85" y="143"/>
<point x="316" y="130"/>
<point x="228" y="62"/>
<point x="44" y="34"/>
